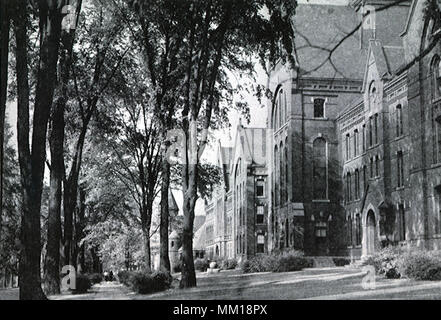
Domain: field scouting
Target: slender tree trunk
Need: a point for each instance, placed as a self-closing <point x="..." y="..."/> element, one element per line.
<point x="164" y="263"/>
<point x="4" y="53"/>
<point x="189" y="174"/>
<point x="79" y="229"/>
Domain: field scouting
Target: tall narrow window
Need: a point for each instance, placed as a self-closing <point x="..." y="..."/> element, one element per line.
<point x="356" y="142"/>
<point x="282" y="175"/>
<point x="349" y="230"/>
<point x="437" y="140"/>
<point x="437" y="213"/>
<point x="260" y="244"/>
<point x="260" y="188"/>
<point x="399" y="120"/>
<point x="320" y="179"/>
<point x="376" y="128"/>
<point x="372" y="95"/>
<point x="357" y="184"/>
<point x="436" y="77"/>
<point x="400" y="169"/>
<point x="260" y="215"/>
<point x="364" y="179"/>
<point x="377" y="166"/>
<point x="364" y="138"/>
<point x="319" y="108"/>
<point x="280" y="108"/>
<point x="347" y="145"/>
<point x="286" y="171"/>
<point x="370" y="132"/>
<point x="371" y="167"/>
<point x="276" y="173"/>
<point x="358" y="230"/>
<point x="348" y="186"/>
<point x="402" y="219"/>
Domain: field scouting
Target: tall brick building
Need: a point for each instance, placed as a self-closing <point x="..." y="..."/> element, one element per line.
<point x="353" y="145"/>
<point x="356" y="139"/>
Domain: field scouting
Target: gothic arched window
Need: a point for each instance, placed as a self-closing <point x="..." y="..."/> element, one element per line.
<point x="320" y="179"/>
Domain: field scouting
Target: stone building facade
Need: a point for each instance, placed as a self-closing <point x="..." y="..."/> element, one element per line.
<point x="236" y="223"/>
<point x="319" y="112"/>
<point x="351" y="162"/>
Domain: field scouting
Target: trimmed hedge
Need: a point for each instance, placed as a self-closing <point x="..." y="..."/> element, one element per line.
<point x="277" y="262"/>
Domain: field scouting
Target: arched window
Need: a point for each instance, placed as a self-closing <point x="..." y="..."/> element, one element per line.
<point x="320" y="179"/>
<point x="373" y="94"/>
<point x="436" y="77"/>
<point x="319" y="108"/>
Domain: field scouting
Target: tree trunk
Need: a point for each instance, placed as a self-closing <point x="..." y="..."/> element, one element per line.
<point x="4" y="53"/>
<point x="148" y="261"/>
<point x="79" y="228"/>
<point x="52" y="263"/>
<point x="189" y="177"/>
<point x="32" y="162"/>
<point x="56" y="140"/>
<point x="164" y="264"/>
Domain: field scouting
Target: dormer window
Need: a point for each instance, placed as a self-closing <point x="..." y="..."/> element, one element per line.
<point x="319" y="108"/>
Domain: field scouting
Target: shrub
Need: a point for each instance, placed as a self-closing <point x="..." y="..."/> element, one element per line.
<point x="82" y="283"/>
<point x="261" y="263"/>
<point x="145" y="283"/>
<point x="288" y="263"/>
<point x="385" y="262"/>
<point x="201" y="264"/>
<point x="95" y="278"/>
<point x="125" y="277"/>
<point x="341" y="262"/>
<point x="229" y="264"/>
<point x="421" y="265"/>
<point x="277" y="262"/>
